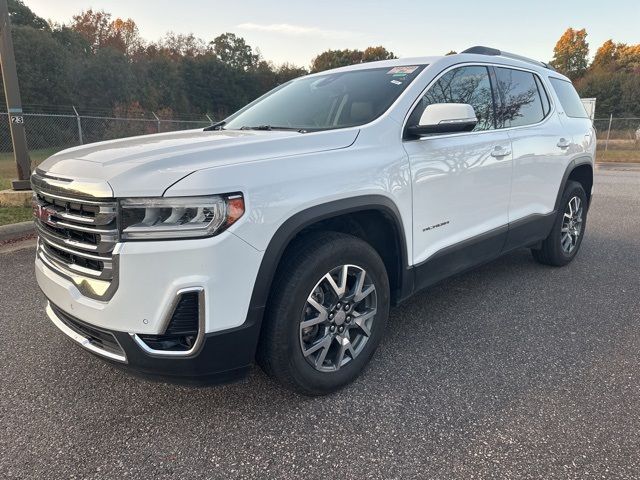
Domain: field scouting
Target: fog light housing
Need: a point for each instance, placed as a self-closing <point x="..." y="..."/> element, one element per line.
<point x="184" y="333"/>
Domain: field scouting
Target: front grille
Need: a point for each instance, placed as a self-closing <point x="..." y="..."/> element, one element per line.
<point x="100" y="339"/>
<point x="77" y="235"/>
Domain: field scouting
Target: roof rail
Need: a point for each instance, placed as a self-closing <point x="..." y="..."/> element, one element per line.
<point x="480" y="50"/>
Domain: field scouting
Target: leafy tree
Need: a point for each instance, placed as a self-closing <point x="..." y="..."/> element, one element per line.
<point x="43" y="66"/>
<point x="342" y="58"/>
<point x="570" y="55"/>
<point x="630" y="97"/>
<point x="614" y="79"/>
<point x="124" y="36"/>
<point x="235" y="52"/>
<point x="95" y="27"/>
<point x="606" y="56"/>
<point x="605" y="88"/>
<point x="107" y="79"/>
<point x="334" y="59"/>
<point x="159" y="82"/>
<point x="288" y="71"/>
<point x="373" y="54"/>
<point x="22" y="15"/>
<point x="613" y="56"/>
<point x="178" y="45"/>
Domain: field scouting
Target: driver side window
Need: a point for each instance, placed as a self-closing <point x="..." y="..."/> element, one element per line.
<point x="462" y="85"/>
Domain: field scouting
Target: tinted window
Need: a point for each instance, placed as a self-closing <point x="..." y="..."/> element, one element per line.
<point x="463" y="85"/>
<point x="333" y="100"/>
<point x="520" y="102"/>
<point x="568" y="98"/>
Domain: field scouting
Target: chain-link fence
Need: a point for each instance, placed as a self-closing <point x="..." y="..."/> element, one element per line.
<point x="53" y="132"/>
<point x="618" y="139"/>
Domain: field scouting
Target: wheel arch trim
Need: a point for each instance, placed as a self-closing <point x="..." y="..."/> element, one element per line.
<point x="305" y="218"/>
<point x="575" y="163"/>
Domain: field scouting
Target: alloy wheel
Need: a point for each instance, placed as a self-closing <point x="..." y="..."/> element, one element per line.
<point x="571" y="225"/>
<point x="338" y="317"/>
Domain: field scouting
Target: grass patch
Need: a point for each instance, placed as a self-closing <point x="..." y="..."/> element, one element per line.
<point x="8" y="164"/>
<point x="10" y="215"/>
<point x="8" y="172"/>
<point x="618" y="156"/>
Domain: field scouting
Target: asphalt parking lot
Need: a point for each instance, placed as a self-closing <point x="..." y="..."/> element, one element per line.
<point x="514" y="370"/>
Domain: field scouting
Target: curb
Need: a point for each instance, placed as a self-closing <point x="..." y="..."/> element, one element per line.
<point x="16" y="231"/>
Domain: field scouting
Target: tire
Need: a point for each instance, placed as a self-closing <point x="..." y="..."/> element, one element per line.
<point x="555" y="249"/>
<point x="301" y="282"/>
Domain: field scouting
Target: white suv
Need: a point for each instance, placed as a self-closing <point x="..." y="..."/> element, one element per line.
<point x="285" y="232"/>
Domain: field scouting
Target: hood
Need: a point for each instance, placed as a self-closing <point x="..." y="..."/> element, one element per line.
<point x="148" y="165"/>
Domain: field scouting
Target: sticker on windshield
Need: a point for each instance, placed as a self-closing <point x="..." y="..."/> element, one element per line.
<point x="396" y="82"/>
<point x="405" y="70"/>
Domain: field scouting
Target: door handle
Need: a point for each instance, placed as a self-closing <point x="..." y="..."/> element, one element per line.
<point x="564" y="143"/>
<point x="499" y="151"/>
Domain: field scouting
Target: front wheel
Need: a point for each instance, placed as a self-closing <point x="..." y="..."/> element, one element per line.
<point x="563" y="243"/>
<point x="326" y="315"/>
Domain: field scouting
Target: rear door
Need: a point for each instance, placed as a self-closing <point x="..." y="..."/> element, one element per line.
<point x="461" y="181"/>
<point x="539" y="140"/>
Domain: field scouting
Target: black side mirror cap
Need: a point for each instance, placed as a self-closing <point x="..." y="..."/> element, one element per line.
<point x="452" y="127"/>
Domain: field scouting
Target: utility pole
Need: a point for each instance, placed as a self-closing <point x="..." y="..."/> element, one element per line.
<point x="14" y="105"/>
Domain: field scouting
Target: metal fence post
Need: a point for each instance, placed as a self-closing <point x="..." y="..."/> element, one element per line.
<point x="14" y="105"/>
<point x="158" y="120"/>
<point x="606" y="143"/>
<point x="79" y="125"/>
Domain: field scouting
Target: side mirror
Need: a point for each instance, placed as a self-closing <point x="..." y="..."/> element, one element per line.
<point x="445" y="118"/>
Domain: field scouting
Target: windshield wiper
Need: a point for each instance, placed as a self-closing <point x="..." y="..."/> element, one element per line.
<point x="271" y="127"/>
<point x="216" y="126"/>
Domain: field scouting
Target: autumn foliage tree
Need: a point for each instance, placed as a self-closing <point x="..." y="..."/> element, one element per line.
<point x="101" y="64"/>
<point x="571" y="53"/>
<point x="613" y="77"/>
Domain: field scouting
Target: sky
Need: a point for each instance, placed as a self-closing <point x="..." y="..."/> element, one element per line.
<point x="294" y="31"/>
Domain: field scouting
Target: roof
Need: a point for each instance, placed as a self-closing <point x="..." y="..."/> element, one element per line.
<point x="474" y="54"/>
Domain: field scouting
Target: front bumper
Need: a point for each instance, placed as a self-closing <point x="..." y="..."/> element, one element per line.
<point x="222" y="357"/>
<point x="151" y="276"/>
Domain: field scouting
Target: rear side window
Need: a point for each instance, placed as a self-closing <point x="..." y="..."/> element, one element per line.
<point x="569" y="98"/>
<point x="546" y="105"/>
<point x="461" y="85"/>
<point x="520" y="101"/>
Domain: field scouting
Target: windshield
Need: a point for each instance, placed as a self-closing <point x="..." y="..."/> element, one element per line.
<point x="334" y="100"/>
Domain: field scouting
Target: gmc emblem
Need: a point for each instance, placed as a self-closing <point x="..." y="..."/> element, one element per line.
<point x="43" y="213"/>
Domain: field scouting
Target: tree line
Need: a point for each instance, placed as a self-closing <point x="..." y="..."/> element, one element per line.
<point x="100" y="64"/>
<point x="612" y="77"/>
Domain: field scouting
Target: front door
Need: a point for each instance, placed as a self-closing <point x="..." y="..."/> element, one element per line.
<point x="461" y="182"/>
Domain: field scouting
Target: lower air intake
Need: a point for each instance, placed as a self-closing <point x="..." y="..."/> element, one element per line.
<point x="182" y="332"/>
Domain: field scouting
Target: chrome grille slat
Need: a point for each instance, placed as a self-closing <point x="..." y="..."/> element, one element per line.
<point x="62" y="242"/>
<point x="104" y="246"/>
<point x="77" y="234"/>
<point x="74" y="251"/>
<point x="66" y="269"/>
<point x="99" y="215"/>
<point x="81" y="228"/>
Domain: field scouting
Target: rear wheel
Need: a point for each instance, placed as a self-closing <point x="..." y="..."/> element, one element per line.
<point x="563" y="243"/>
<point x="326" y="315"/>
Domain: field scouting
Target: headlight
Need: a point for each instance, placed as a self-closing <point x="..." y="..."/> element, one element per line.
<point x="178" y="217"/>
